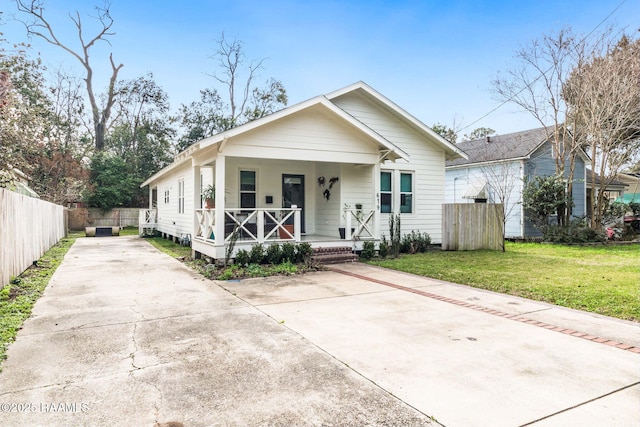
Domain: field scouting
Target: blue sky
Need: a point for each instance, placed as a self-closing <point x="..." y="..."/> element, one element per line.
<point x="436" y="59"/>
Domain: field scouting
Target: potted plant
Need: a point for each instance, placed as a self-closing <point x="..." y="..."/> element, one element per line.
<point x="209" y="195"/>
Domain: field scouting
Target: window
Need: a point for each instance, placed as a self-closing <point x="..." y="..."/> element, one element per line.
<point x="247" y="189"/>
<point x="385" y="192"/>
<point x="166" y="197"/>
<point x="406" y="193"/>
<point x="181" y="196"/>
<point x="391" y="188"/>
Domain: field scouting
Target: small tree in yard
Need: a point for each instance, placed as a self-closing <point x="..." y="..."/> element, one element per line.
<point x="544" y="196"/>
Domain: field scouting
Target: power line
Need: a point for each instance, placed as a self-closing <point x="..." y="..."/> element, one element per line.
<point x="540" y="76"/>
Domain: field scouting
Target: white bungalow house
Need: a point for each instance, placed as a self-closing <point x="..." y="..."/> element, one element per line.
<point x="342" y="160"/>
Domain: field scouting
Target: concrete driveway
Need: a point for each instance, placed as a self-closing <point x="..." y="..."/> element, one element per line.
<point x="125" y="335"/>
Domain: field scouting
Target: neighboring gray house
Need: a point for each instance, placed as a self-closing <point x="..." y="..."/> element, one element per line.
<point x="499" y="164"/>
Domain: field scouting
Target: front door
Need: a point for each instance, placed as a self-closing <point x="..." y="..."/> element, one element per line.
<point x="293" y="194"/>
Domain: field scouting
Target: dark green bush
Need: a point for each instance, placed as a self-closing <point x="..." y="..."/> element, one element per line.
<point x="576" y="232"/>
<point x="303" y="252"/>
<point x="274" y="254"/>
<point x="242" y="257"/>
<point x="384" y="247"/>
<point x="257" y="254"/>
<point x="288" y="252"/>
<point x="368" y="250"/>
<point x="415" y="242"/>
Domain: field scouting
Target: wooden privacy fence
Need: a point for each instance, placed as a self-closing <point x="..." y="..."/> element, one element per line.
<point x="79" y="218"/>
<point x="28" y="228"/>
<point x="470" y="226"/>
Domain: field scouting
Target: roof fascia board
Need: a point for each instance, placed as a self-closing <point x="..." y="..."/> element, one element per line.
<point x="509" y="160"/>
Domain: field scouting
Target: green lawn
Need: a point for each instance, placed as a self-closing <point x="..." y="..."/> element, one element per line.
<point x="18" y="297"/>
<point x="600" y="279"/>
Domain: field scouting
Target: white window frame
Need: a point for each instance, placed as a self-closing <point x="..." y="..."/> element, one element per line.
<point x="181" y="196"/>
<point x="390" y="172"/>
<point x="412" y="192"/>
<point x="241" y="191"/>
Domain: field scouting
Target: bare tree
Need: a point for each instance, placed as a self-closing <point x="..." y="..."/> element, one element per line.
<point x="40" y="26"/>
<point x="537" y="85"/>
<point x="502" y="178"/>
<point x="604" y="92"/>
<point x="245" y="102"/>
<point x="231" y="59"/>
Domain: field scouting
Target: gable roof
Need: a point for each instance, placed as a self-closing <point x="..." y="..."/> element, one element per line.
<point x="384" y="144"/>
<point x="511" y="146"/>
<point x="361" y="88"/>
<point x="388" y="149"/>
<point x="598" y="181"/>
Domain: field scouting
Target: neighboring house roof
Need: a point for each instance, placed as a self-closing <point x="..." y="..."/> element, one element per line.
<point x="387" y="149"/>
<point x="21" y="184"/>
<point x="511" y="146"/>
<point x="612" y="185"/>
<point x="632" y="180"/>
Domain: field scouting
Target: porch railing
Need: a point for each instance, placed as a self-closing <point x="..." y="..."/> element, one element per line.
<point x="363" y="224"/>
<point x="147" y="221"/>
<point x="257" y="225"/>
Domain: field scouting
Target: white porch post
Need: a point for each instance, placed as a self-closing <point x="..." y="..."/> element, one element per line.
<point x="196" y="197"/>
<point x="219" y="182"/>
<point x="150" y="196"/>
<point x="297" y="225"/>
<point x="376" y="201"/>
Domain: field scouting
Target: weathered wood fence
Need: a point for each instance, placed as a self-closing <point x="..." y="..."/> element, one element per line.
<point x="79" y="218"/>
<point x="28" y="228"/>
<point x="470" y="226"/>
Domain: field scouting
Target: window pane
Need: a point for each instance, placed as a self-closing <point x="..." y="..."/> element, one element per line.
<point x="405" y="203"/>
<point x="385" y="203"/>
<point x="385" y="181"/>
<point x="248" y="200"/>
<point x="405" y="182"/>
<point x="247" y="181"/>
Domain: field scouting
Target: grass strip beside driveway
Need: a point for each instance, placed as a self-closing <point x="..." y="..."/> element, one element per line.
<point x="599" y="279"/>
<point x="18" y="297"/>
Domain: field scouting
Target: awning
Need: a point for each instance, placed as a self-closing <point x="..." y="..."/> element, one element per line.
<point x="628" y="198"/>
<point x="476" y="190"/>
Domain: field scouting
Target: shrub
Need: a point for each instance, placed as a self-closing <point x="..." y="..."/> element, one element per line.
<point x="304" y="252"/>
<point x="394" y="232"/>
<point x="243" y="257"/>
<point x="384" y="247"/>
<point x="288" y="252"/>
<point x="257" y="254"/>
<point x="576" y="232"/>
<point x="368" y="250"/>
<point x="274" y="254"/>
<point x="415" y="242"/>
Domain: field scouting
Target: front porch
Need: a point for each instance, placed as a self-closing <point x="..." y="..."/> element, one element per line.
<point x="244" y="228"/>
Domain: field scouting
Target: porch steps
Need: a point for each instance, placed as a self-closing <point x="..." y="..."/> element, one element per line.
<point x="335" y="255"/>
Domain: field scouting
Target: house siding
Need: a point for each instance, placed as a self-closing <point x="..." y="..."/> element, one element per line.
<point x="460" y="179"/>
<point x="309" y="135"/>
<point x="426" y="163"/>
<point x="269" y="183"/>
<point x="170" y="221"/>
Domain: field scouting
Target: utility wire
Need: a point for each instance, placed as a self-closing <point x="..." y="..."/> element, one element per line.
<point x="540" y="76"/>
